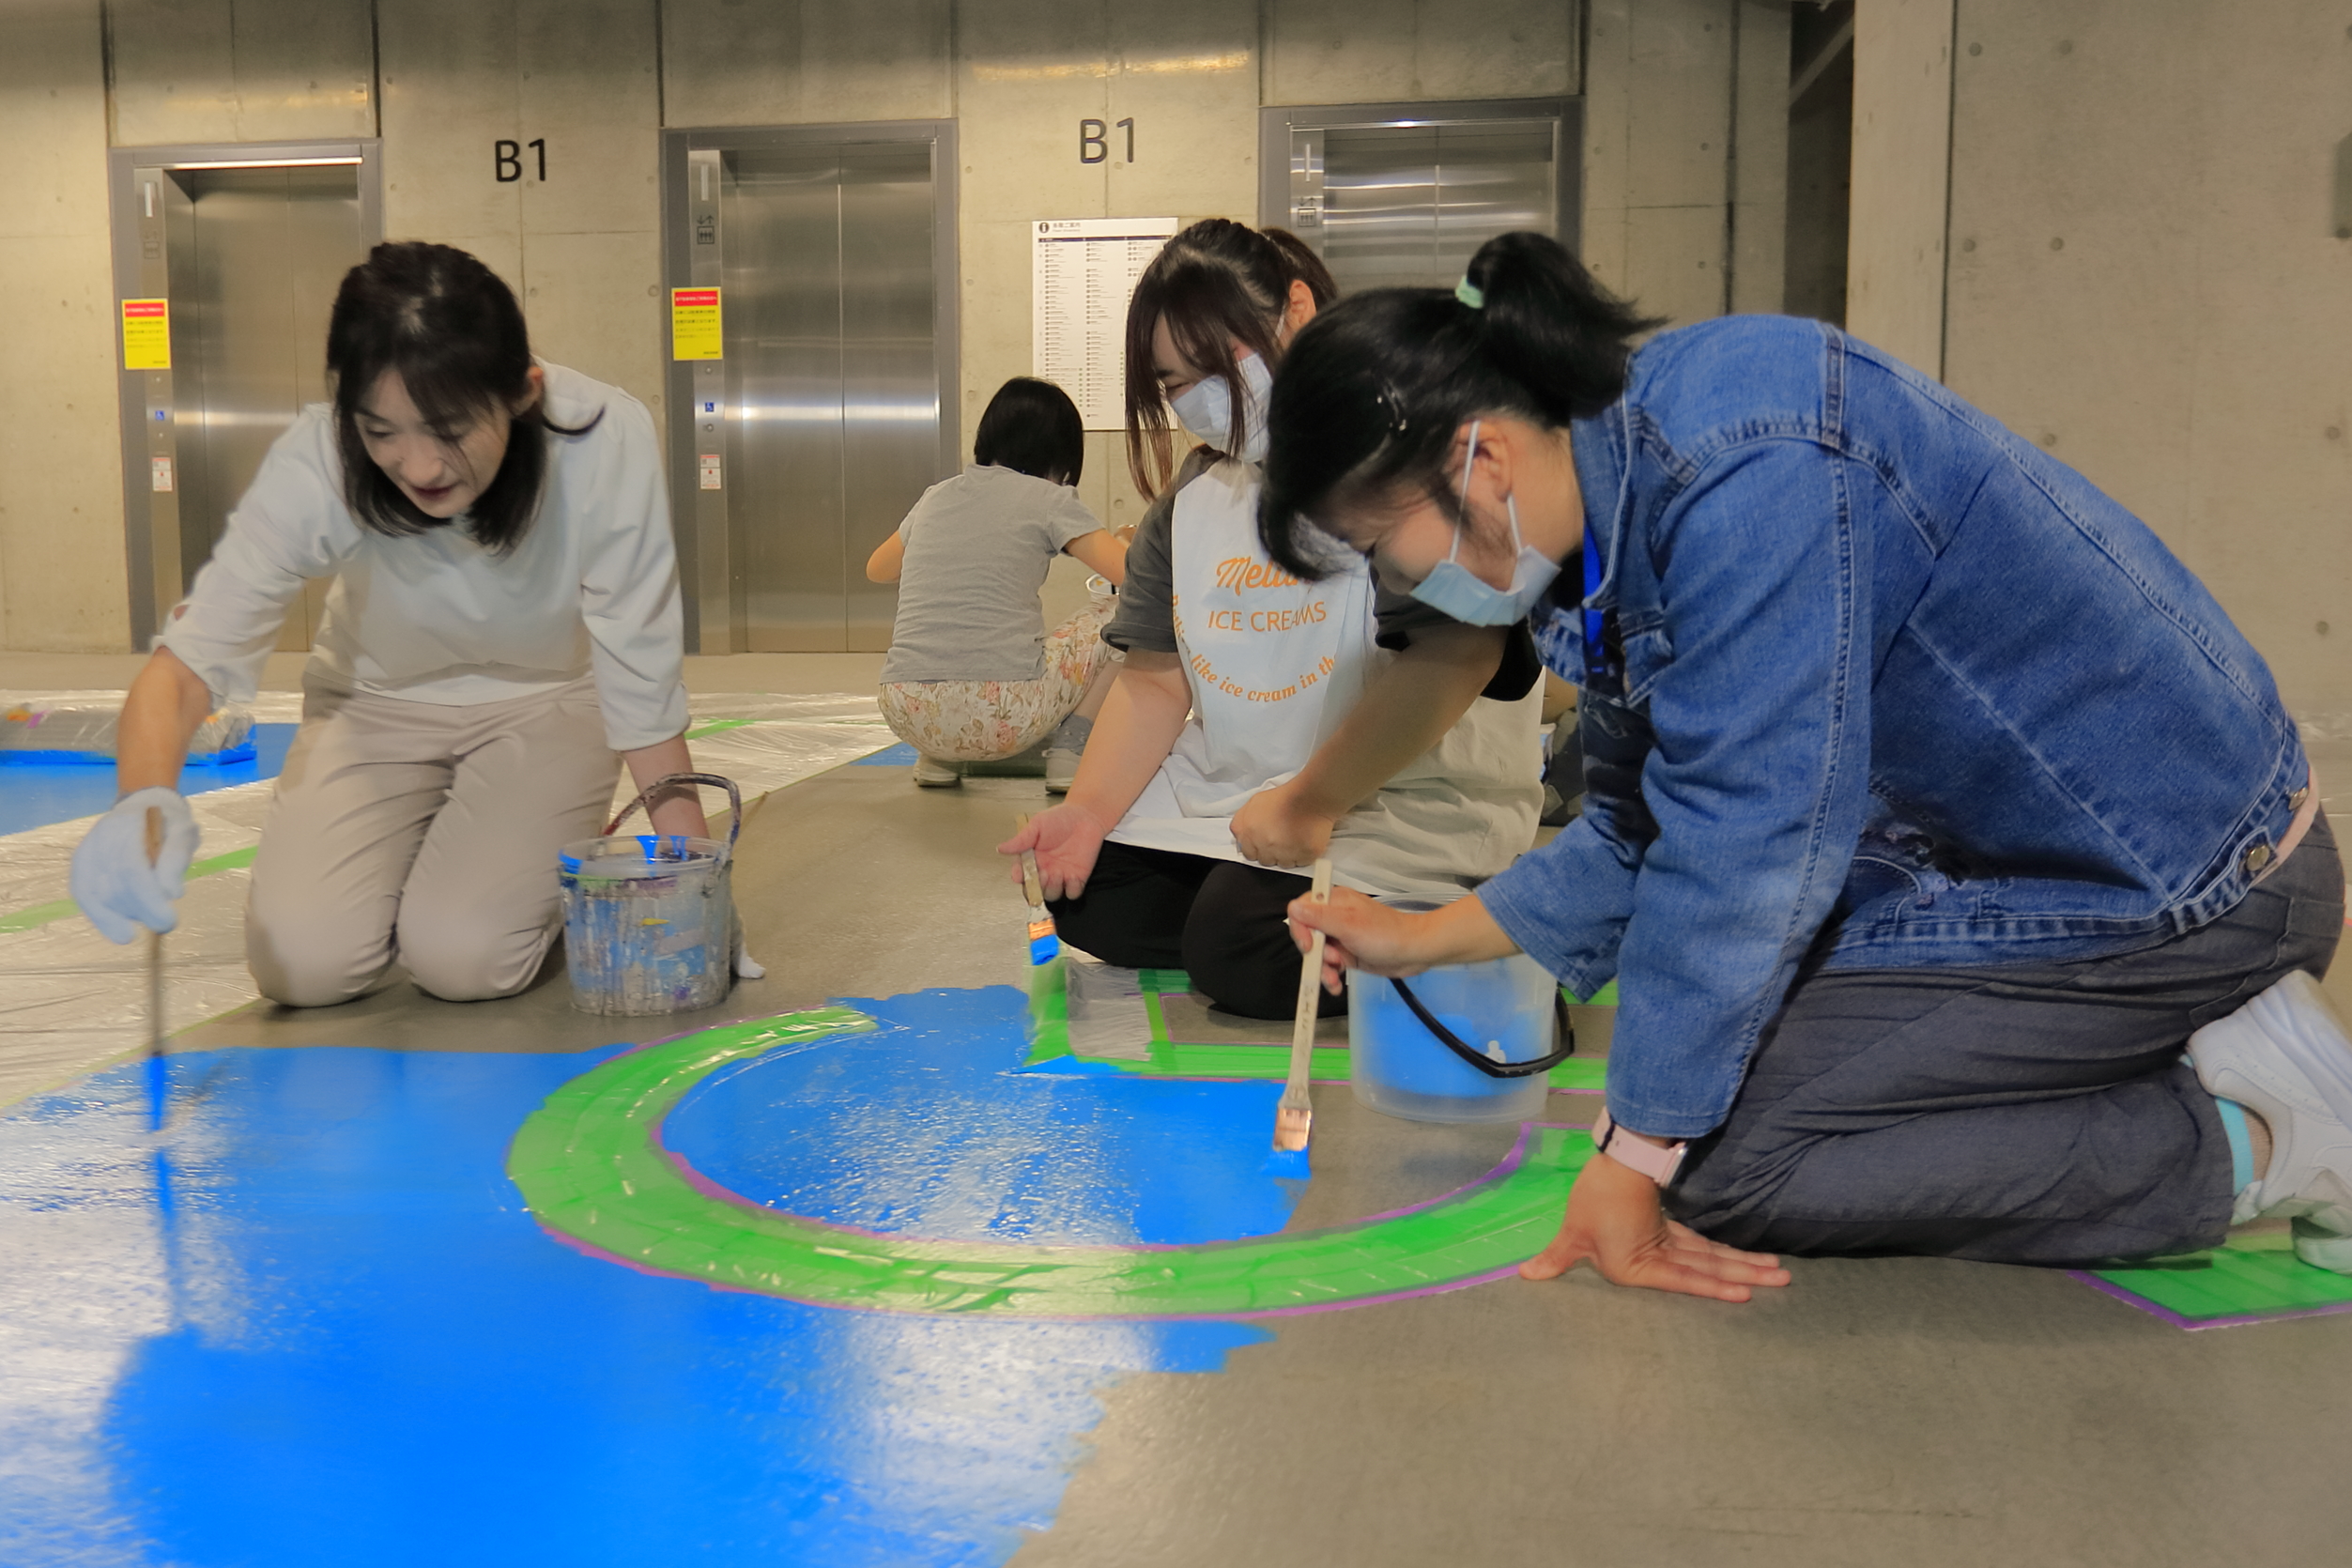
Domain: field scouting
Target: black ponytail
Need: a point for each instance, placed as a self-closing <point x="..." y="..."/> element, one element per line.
<point x="1374" y="389"/>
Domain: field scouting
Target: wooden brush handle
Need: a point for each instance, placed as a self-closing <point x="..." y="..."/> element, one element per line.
<point x="1311" y="971"/>
<point x="1030" y="885"/>
<point x="155" y="834"/>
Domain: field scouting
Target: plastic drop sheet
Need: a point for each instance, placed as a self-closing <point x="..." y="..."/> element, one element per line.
<point x="75" y="1001"/>
<point x="1108" y="1013"/>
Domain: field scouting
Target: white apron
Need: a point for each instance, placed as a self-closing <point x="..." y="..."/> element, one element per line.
<point x="1274" y="665"/>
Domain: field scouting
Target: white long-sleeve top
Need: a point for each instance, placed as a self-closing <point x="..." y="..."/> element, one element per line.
<point x="434" y="617"/>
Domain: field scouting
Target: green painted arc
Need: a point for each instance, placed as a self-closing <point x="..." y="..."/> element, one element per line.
<point x="590" y="1164"/>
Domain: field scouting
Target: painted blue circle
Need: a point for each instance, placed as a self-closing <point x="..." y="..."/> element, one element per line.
<point x="928" y="1127"/>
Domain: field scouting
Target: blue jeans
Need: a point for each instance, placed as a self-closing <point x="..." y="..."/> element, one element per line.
<point x="2022" y="1113"/>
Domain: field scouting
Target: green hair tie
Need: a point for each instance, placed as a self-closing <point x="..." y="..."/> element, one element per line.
<point x="1470" y="294"/>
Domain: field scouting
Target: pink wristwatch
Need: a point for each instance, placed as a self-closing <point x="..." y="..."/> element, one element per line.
<point x="1636" y="1154"/>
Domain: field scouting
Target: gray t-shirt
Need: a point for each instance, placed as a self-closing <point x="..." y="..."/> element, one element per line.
<point x="977" y="548"/>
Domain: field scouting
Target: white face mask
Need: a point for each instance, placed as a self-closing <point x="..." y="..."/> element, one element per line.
<point x="1207" y="409"/>
<point x="1452" y="589"/>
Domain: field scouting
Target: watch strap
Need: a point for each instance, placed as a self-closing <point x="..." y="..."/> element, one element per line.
<point x="1636" y="1154"/>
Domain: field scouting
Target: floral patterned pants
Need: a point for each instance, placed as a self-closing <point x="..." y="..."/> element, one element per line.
<point x="986" y="721"/>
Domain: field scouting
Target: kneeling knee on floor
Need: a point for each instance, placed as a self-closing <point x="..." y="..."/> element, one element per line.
<point x="461" y="971"/>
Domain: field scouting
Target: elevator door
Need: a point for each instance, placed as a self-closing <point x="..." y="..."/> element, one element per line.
<point x="256" y="257"/>
<point x="832" y="382"/>
<point x="1406" y="196"/>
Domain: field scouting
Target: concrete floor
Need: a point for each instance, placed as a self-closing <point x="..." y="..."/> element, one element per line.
<point x="1915" y="1411"/>
<point x="783" y="673"/>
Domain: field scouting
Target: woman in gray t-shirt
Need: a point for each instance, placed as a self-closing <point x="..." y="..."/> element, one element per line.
<point x="972" y="675"/>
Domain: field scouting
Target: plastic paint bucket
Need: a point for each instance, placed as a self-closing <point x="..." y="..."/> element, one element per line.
<point x="649" y="919"/>
<point x="1506" y="1010"/>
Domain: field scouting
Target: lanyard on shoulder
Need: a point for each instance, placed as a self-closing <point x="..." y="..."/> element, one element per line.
<point x="1604" y="666"/>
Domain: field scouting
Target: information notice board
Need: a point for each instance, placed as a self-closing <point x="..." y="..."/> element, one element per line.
<point x="1082" y="271"/>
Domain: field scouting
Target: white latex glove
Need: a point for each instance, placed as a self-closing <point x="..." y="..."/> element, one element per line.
<point x="112" y="881"/>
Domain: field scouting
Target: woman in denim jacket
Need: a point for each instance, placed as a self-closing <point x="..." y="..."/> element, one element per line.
<point x="1933" y="807"/>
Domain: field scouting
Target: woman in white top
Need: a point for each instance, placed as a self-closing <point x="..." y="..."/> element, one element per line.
<point x="504" y="620"/>
<point x="1260" y="720"/>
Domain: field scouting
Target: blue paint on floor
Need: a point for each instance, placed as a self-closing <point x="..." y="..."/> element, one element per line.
<point x="349" y="1344"/>
<point x="35" y="794"/>
<point x="899" y="756"/>
<point x="973" y="1155"/>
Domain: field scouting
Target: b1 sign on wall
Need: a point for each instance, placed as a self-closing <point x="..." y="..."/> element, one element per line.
<point x="1083" y="270"/>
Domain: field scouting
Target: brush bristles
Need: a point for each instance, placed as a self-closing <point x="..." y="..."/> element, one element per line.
<point x="1291" y="1126"/>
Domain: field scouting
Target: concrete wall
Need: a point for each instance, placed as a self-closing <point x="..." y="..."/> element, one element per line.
<point x="1686" y="153"/>
<point x="1901" y="159"/>
<point x="2145" y="278"/>
<point x="62" y="583"/>
<point x="1674" y="215"/>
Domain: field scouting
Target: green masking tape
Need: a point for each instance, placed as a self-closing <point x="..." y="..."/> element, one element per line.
<point x="1049" y="1039"/>
<point x="591" y="1166"/>
<point x="33" y="916"/>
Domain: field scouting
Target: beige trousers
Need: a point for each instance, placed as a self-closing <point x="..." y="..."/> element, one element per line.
<point x="422" y="835"/>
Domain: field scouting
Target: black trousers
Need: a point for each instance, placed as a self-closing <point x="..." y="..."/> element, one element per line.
<point x="1218" y="920"/>
<point x="2025" y="1114"/>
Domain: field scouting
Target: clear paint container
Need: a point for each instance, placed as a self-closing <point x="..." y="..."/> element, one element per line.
<point x="649" y="919"/>
<point x="1506" y="1011"/>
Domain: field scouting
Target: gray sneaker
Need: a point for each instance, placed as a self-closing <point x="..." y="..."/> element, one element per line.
<point x="2284" y="1056"/>
<point x="933" y="775"/>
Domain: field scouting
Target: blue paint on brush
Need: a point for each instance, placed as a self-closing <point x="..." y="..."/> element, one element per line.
<point x="350" y="1343"/>
<point x="159" y="1090"/>
<point x="1287" y="1165"/>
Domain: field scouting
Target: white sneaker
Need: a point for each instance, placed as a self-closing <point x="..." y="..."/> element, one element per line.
<point x="2286" y="1057"/>
<point x="933" y="775"/>
<point x="1062" y="749"/>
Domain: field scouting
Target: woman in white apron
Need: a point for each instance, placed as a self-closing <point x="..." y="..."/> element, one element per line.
<point x="1261" y="720"/>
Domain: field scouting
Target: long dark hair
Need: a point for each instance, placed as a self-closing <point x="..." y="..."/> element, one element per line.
<point x="451" y="329"/>
<point x="1032" y="427"/>
<point x="1374" y="391"/>
<point x="1215" y="282"/>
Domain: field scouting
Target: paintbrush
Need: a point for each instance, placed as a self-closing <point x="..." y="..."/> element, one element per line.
<point x="155" y="989"/>
<point x="1294" y="1118"/>
<point x="1044" y="946"/>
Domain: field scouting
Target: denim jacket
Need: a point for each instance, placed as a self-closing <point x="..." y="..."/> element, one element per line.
<point x="1898" y="690"/>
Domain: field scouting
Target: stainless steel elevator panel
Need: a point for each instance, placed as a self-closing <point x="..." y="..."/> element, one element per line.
<point x="780" y="223"/>
<point x="833" y="248"/>
<point x="1404" y="194"/>
<point x="250" y="288"/>
<point x="889" y="383"/>
<point x="249" y="244"/>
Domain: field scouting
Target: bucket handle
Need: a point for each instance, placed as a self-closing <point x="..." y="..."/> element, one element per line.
<point x="734" y="805"/>
<point x="1487" y="1064"/>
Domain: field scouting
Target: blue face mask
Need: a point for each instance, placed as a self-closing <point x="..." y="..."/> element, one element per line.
<point x="1205" y="407"/>
<point x="1452" y="588"/>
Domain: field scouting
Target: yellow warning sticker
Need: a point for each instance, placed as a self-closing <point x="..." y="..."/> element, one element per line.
<point x="147" y="334"/>
<point x="694" y="329"/>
